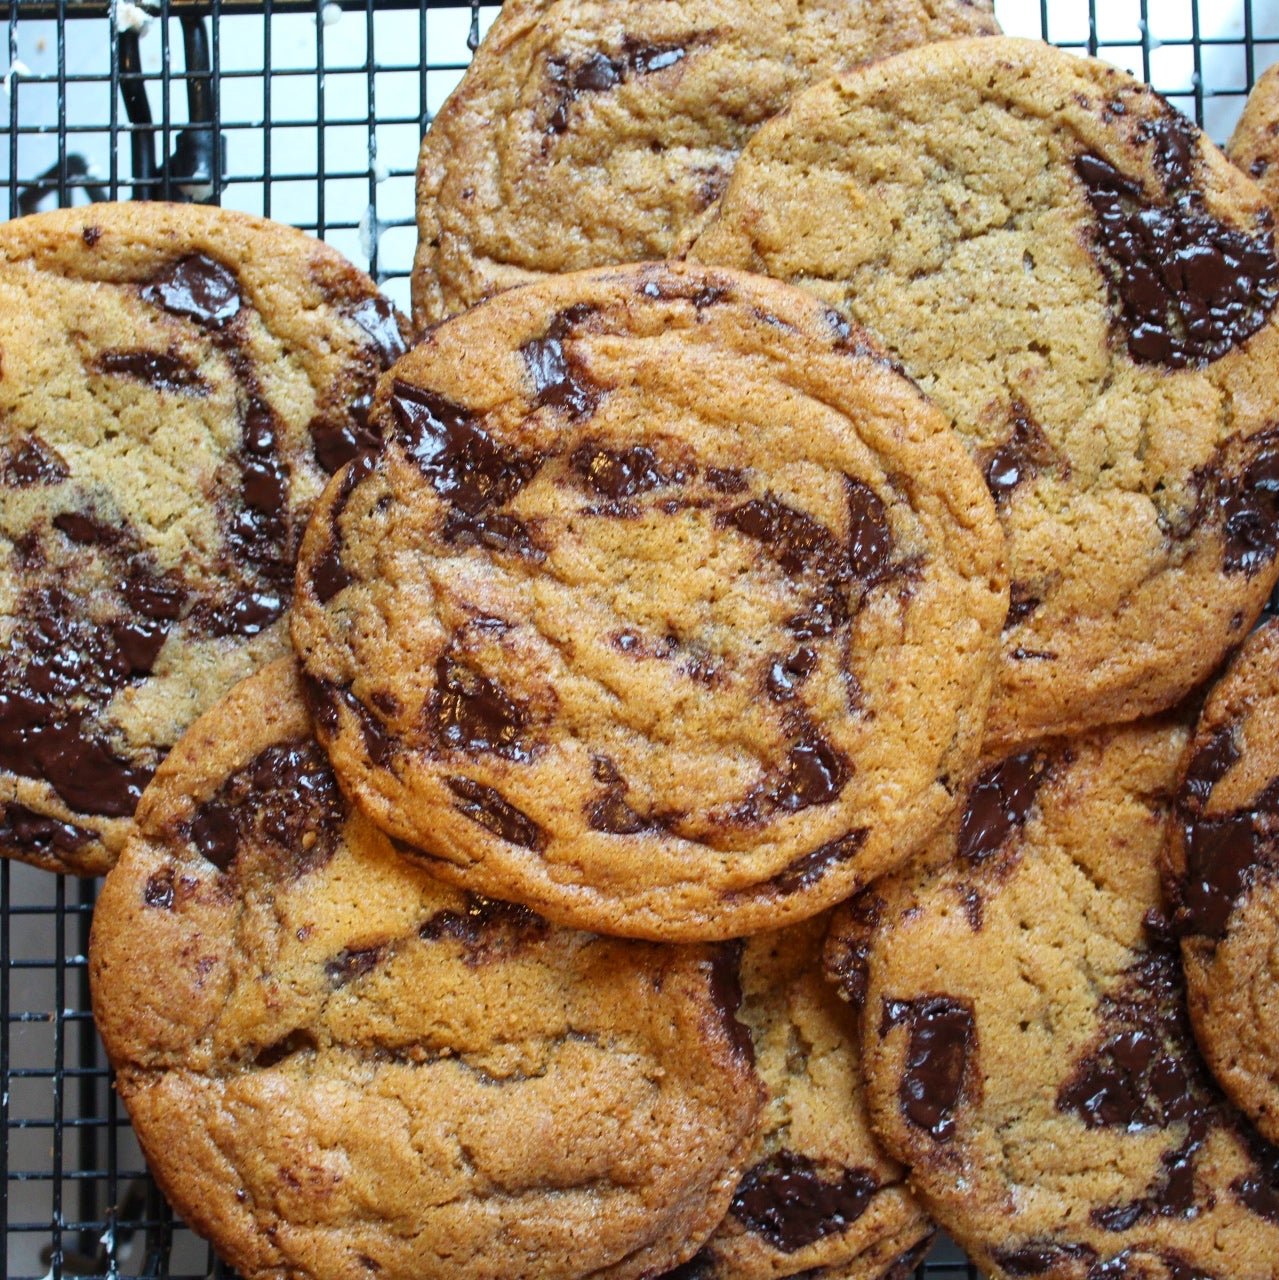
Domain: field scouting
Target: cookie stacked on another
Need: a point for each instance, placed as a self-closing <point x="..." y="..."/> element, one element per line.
<point x="1086" y="287"/>
<point x="668" y="608"/>
<point x="592" y="132"/>
<point x="176" y="385"/>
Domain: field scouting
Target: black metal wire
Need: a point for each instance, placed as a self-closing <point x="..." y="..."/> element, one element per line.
<point x="74" y="1195"/>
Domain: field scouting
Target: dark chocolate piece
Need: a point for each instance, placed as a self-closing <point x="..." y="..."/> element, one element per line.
<point x="353" y="963"/>
<point x="24" y="829"/>
<point x="727" y="479"/>
<point x="1249" y="510"/>
<point x="622" y="473"/>
<point x="795" y="540"/>
<point x="1022" y="602"/>
<point x="1036" y="1257"/>
<point x="32" y="463"/>
<point x="808" y="869"/>
<point x="785" y="675"/>
<point x="379" y="319"/>
<point x="848" y="950"/>
<point x="815" y="773"/>
<point x="1210" y="763"/>
<point x="1188" y="287"/>
<point x="1019" y="458"/>
<point x="599" y="72"/>
<point x="85" y="531"/>
<point x="491" y="810"/>
<point x="870" y="540"/>
<point x="158" y="369"/>
<point x="789" y="1200"/>
<point x="999" y="803"/>
<point x="610" y="813"/>
<point x="559" y="380"/>
<point x="284" y="803"/>
<point x="726" y="992"/>
<point x="158" y="891"/>
<point x="199" y="288"/>
<point x="469" y="712"/>
<point x="943" y="1038"/>
<point x="485" y="928"/>
<point x="464" y="464"/>
<point x="329" y="577"/>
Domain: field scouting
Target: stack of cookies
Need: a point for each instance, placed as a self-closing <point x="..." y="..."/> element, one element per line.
<point x="708" y="765"/>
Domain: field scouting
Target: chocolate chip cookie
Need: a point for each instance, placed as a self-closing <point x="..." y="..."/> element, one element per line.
<point x="1254" y="145"/>
<point x="175" y="384"/>
<point x="669" y="607"/>
<point x="338" y="1067"/>
<point x="1086" y="287"/>
<point x="1027" y="1048"/>
<point x="1224" y="879"/>
<point x="819" y="1198"/>
<point x="591" y="132"/>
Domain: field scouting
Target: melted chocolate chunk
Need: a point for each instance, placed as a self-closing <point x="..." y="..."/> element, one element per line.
<point x="158" y="891"/>
<point x="57" y="669"/>
<point x="1035" y="1258"/>
<point x="785" y="675"/>
<point x="24" y="829"/>
<point x="787" y="1200"/>
<point x="352" y="963"/>
<point x="559" y="380"/>
<point x="337" y="439"/>
<point x="284" y="803"/>
<point x="823" y="616"/>
<point x="1210" y="764"/>
<point x="701" y="296"/>
<point x="199" y="288"/>
<point x="324" y="699"/>
<point x="1224" y="853"/>
<point x="1172" y="1194"/>
<point x="33" y="463"/>
<point x="469" y="712"/>
<point x="701" y="1266"/>
<point x="943" y="1037"/>
<point x="1142" y="1073"/>
<point x="329" y="577"/>
<point x="610" y="813"/>
<point x="621" y="473"/>
<point x="726" y="992"/>
<point x="598" y="72"/>
<point x="466" y="467"/>
<point x="158" y="369"/>
<point x="485" y="928"/>
<point x="727" y="479"/>
<point x="807" y="870"/>
<point x="1249" y="510"/>
<point x="91" y="235"/>
<point x="379" y="319"/>
<point x="796" y="541"/>
<point x="999" y="803"/>
<point x="1188" y="287"/>
<point x="491" y="810"/>
<point x="159" y="597"/>
<point x="1019" y="458"/>
<point x="870" y="541"/>
<point x="815" y="773"/>
<point x="1022" y="602"/>
<point x="85" y="531"/>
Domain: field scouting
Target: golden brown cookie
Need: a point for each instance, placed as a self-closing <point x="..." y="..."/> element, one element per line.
<point x="1254" y="145"/>
<point x="1224" y="879"/>
<point x="1086" y="287"/>
<point x="1027" y="1049"/>
<point x="669" y="608"/>
<point x="176" y="382"/>
<point x="819" y="1198"/>
<point x="591" y="132"/>
<point x="339" y="1068"/>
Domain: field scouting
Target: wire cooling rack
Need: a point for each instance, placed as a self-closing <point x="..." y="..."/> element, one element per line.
<point x="309" y="111"/>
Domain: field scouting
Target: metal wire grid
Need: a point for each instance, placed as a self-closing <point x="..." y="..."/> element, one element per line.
<point x="299" y="110"/>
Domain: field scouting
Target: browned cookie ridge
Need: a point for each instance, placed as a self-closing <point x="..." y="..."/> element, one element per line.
<point x="1027" y="1048"/>
<point x="591" y="132"/>
<point x="175" y="385"/>
<point x="819" y="1199"/>
<point x="1087" y="288"/>
<point x="1224" y="878"/>
<point x="339" y="1068"/>
<point x="669" y="607"/>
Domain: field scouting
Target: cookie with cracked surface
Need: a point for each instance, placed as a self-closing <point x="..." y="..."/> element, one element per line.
<point x="1254" y="145"/>
<point x="1086" y="287"/>
<point x="175" y="384"/>
<point x="1223" y="864"/>
<point x="1027" y="1048"/>
<point x="819" y="1197"/>
<point x="335" y="1064"/>
<point x="592" y="132"/>
<point x="669" y="608"/>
